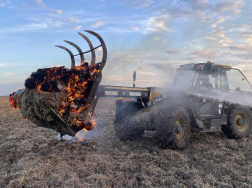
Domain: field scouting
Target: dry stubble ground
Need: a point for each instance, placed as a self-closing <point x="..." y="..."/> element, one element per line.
<point x="32" y="157"/>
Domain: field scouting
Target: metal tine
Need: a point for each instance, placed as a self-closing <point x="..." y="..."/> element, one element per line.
<point x="71" y="55"/>
<point x="90" y="46"/>
<point x="79" y="50"/>
<point x="104" y="48"/>
<point x="57" y="115"/>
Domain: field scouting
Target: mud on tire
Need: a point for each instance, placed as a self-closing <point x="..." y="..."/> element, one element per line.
<point x="126" y="124"/>
<point x="173" y="127"/>
<point x="239" y="123"/>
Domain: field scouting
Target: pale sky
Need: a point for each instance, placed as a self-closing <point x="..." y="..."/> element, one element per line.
<point x="152" y="37"/>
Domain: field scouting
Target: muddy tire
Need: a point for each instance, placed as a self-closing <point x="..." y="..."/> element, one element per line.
<point x="239" y="123"/>
<point x="173" y="128"/>
<point x="126" y="124"/>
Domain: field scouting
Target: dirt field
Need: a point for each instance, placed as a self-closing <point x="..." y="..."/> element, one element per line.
<point x="33" y="157"/>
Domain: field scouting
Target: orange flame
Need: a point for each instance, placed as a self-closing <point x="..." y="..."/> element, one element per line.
<point x="13" y="101"/>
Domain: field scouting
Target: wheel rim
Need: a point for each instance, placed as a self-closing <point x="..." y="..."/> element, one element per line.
<point x="180" y="129"/>
<point x="241" y="122"/>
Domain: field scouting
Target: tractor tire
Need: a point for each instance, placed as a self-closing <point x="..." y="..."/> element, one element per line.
<point x="173" y="128"/>
<point x="239" y="123"/>
<point x="126" y="124"/>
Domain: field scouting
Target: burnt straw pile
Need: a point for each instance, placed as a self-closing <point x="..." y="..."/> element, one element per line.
<point x="60" y="98"/>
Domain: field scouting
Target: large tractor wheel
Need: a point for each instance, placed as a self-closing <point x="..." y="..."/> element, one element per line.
<point x="239" y="123"/>
<point x="173" y="127"/>
<point x="126" y="124"/>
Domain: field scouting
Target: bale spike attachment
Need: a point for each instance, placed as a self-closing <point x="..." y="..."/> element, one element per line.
<point x="92" y="50"/>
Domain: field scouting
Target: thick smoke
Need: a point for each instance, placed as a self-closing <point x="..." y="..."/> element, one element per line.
<point x="82" y="135"/>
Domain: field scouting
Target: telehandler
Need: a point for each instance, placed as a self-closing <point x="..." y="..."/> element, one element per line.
<point x="206" y="96"/>
<point x="203" y="96"/>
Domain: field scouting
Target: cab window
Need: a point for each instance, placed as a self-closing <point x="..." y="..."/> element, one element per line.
<point x="207" y="80"/>
<point x="237" y="81"/>
<point x="185" y="79"/>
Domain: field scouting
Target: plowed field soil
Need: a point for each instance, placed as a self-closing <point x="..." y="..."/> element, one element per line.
<point x="31" y="156"/>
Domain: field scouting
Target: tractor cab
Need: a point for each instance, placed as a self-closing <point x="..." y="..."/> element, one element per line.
<point x="211" y="76"/>
<point x="211" y="88"/>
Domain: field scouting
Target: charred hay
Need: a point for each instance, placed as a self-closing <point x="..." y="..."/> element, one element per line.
<point x="58" y="98"/>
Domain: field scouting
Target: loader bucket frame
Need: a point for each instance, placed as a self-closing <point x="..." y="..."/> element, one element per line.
<point x="92" y="50"/>
<point x="92" y="99"/>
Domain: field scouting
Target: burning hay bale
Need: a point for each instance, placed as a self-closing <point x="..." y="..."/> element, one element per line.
<point x="60" y="98"/>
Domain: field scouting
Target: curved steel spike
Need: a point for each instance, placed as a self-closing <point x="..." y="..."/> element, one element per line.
<point x="104" y="48"/>
<point x="79" y="50"/>
<point x="71" y="55"/>
<point x="90" y="46"/>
